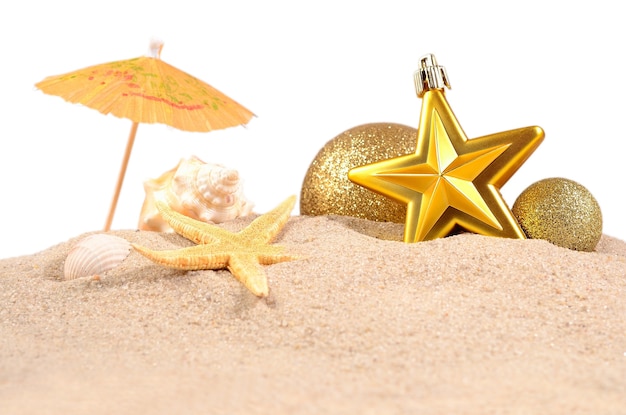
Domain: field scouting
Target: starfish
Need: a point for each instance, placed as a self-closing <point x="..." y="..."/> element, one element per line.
<point x="242" y="253"/>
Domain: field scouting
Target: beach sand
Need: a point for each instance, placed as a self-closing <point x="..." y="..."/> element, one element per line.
<point x="363" y="324"/>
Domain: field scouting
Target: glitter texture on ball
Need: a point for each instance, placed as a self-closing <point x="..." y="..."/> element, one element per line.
<point x="326" y="189"/>
<point x="560" y="211"/>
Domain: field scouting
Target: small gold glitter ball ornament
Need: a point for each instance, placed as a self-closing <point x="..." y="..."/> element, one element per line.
<point x="326" y="189"/>
<point x="560" y="211"/>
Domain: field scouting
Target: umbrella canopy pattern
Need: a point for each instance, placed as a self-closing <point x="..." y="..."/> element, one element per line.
<point x="147" y="90"/>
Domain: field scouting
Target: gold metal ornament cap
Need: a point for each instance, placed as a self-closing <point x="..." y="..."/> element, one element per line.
<point x="430" y="75"/>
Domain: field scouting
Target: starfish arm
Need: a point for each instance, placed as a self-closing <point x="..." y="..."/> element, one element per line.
<point x="191" y="258"/>
<point x="194" y="230"/>
<point x="266" y="227"/>
<point x="269" y="259"/>
<point x="247" y="269"/>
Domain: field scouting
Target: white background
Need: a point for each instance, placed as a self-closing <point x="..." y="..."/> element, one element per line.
<point x="309" y="71"/>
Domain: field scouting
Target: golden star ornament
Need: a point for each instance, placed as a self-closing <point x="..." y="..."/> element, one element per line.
<point x="242" y="253"/>
<point x="451" y="181"/>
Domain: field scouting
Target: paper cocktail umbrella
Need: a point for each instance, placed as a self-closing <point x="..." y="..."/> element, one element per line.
<point x="147" y="90"/>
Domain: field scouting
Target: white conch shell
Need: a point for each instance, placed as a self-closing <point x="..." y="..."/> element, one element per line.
<point x="95" y="254"/>
<point x="207" y="192"/>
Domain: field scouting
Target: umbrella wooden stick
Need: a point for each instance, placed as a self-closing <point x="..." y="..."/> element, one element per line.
<point x="120" y="179"/>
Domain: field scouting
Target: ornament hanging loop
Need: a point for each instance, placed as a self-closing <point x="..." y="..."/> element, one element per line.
<point x="430" y="75"/>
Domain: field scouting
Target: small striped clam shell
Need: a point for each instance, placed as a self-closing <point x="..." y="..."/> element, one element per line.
<point x="95" y="254"/>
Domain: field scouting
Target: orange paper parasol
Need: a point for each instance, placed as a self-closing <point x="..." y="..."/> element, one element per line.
<point x="147" y="90"/>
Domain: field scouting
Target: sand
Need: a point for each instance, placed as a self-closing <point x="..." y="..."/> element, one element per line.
<point x="364" y="324"/>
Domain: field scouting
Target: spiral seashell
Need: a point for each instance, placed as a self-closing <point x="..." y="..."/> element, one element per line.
<point x="203" y="191"/>
<point x="95" y="254"/>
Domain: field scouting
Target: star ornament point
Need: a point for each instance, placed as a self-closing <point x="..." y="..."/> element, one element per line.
<point x="451" y="181"/>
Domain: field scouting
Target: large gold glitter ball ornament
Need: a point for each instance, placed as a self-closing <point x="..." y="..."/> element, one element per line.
<point x="560" y="211"/>
<point x="326" y="189"/>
